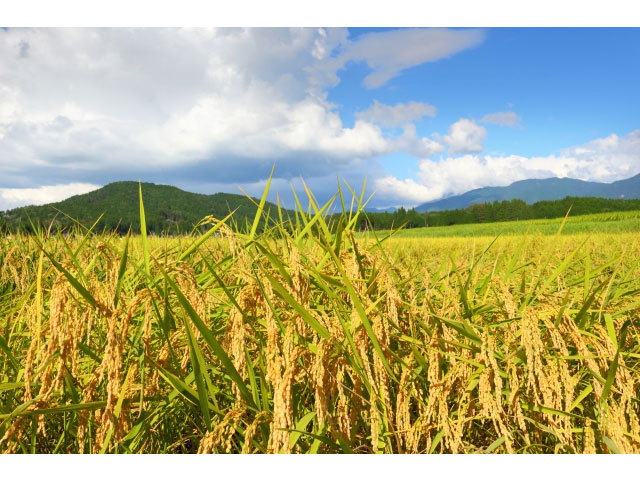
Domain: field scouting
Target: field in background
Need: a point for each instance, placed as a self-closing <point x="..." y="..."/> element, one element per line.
<point x="318" y="340"/>
<point x="614" y="222"/>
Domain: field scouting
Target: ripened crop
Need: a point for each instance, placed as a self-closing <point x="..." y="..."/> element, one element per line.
<point x="306" y="337"/>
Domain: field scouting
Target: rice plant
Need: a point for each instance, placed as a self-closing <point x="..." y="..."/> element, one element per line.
<point x="304" y="337"/>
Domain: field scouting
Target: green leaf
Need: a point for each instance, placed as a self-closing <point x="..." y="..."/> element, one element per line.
<point x="117" y="409"/>
<point x="143" y="233"/>
<point x="73" y="281"/>
<point x="4" y="346"/>
<point x="611" y="375"/>
<point x="581" y="316"/>
<point x="197" y="362"/>
<point x="611" y="330"/>
<point x="212" y="342"/>
<point x="301" y="425"/>
<point x="436" y="441"/>
<point x="588" y="389"/>
<point x="4" y="387"/>
<point x="263" y="200"/>
<point x="495" y="444"/>
<point x="322" y="438"/>
<point x="121" y="271"/>
<point x="611" y="445"/>
<point x="548" y="410"/>
<point x="21" y="410"/>
<point x="286" y="296"/>
<point x="203" y="238"/>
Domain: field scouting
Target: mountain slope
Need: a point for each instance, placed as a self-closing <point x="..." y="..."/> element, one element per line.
<point x="167" y="208"/>
<point x="532" y="191"/>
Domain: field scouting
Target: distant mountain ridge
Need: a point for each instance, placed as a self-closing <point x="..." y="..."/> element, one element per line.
<point x="535" y="190"/>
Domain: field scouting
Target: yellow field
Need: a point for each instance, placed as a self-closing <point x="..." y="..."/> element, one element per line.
<point x="317" y="341"/>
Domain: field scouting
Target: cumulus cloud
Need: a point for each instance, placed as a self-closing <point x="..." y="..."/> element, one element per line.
<point x="14" y="197"/>
<point x="398" y="114"/>
<point x="605" y="160"/>
<point x="465" y="136"/>
<point x="98" y="105"/>
<point x="401" y="192"/>
<point x="504" y="119"/>
<point x="419" y="147"/>
<point x="89" y="100"/>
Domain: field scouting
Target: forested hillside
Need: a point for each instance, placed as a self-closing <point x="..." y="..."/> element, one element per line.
<point x="168" y="209"/>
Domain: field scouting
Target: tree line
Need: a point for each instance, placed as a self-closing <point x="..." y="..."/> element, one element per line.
<point x="504" y="211"/>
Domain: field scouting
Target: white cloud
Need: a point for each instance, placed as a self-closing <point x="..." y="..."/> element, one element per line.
<point x="604" y="160"/>
<point x="401" y="192"/>
<point x="504" y="119"/>
<point x="88" y="99"/>
<point x="465" y="136"/>
<point x="14" y="197"/>
<point x="398" y="114"/>
<point x="389" y="53"/>
<point x="419" y="147"/>
<point x="265" y="129"/>
<point x="98" y="105"/>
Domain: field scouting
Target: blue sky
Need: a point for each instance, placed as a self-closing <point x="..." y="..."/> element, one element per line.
<point x="569" y="85"/>
<point x="421" y="113"/>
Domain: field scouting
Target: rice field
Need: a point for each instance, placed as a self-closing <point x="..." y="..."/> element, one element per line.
<point x="312" y="339"/>
<point x="604" y="223"/>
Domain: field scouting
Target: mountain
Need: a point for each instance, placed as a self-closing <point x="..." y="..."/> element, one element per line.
<point x="167" y="208"/>
<point x="532" y="191"/>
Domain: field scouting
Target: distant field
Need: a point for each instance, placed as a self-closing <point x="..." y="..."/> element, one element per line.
<point x="613" y="222"/>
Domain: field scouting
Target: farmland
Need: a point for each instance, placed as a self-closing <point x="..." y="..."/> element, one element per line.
<point x="603" y="223"/>
<point x="316" y="339"/>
